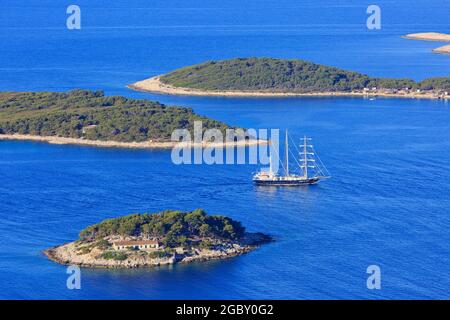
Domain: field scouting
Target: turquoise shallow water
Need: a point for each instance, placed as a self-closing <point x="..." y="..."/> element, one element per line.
<point x="387" y="203"/>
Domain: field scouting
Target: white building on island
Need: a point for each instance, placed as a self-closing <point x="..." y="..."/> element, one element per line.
<point x="136" y="245"/>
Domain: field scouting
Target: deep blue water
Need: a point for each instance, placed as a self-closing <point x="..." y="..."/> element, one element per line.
<point x="388" y="202"/>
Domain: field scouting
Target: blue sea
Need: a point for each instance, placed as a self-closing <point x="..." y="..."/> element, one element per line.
<point x="387" y="203"/>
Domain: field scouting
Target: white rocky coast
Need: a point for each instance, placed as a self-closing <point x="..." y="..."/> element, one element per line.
<point x="89" y="254"/>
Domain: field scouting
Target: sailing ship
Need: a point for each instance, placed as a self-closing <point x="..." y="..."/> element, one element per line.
<point x="311" y="168"/>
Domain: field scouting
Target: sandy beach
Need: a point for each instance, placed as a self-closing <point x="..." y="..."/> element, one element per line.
<point x="154" y="85"/>
<point x="429" y="36"/>
<point x="117" y="144"/>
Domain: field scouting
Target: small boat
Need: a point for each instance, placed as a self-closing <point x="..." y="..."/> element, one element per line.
<point x="311" y="168"/>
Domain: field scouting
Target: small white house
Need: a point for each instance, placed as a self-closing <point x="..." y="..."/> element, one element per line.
<point x="136" y="245"/>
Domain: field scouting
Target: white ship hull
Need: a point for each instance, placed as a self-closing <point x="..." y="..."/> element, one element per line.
<point x="285" y="181"/>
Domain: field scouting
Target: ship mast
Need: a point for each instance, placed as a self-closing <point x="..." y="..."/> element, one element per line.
<point x="287" y="154"/>
<point x="305" y="154"/>
<point x="270" y="158"/>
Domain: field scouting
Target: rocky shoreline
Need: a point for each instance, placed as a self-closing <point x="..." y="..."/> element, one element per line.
<point x="132" y="145"/>
<point x="155" y="85"/>
<point x="69" y="254"/>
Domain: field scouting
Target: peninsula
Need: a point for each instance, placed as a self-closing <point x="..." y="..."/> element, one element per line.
<point x="268" y="77"/>
<point x="91" y="118"/>
<point x="147" y="240"/>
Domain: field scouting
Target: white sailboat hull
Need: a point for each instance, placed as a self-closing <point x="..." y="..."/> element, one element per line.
<point x="285" y="181"/>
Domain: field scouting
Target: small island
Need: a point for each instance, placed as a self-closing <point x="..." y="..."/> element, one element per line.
<point x="432" y="36"/>
<point x="443" y="49"/>
<point x="164" y="238"/>
<point x="268" y="77"/>
<point x="429" y="36"/>
<point x="90" y="118"/>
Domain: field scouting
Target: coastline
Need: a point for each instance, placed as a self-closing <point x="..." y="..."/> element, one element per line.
<point x="69" y="254"/>
<point x="428" y="36"/>
<point x="65" y="255"/>
<point x="132" y="145"/>
<point x="154" y="85"/>
<point x="443" y="49"/>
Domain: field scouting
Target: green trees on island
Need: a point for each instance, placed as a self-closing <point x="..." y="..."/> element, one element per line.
<point x="91" y="115"/>
<point x="174" y="228"/>
<point x="435" y="83"/>
<point x="277" y="75"/>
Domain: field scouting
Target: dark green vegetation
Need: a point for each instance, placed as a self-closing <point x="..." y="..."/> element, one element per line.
<point x="101" y="244"/>
<point x="276" y="75"/>
<point x="174" y="228"/>
<point x="93" y="116"/>
<point x="159" y="254"/>
<point x="113" y="255"/>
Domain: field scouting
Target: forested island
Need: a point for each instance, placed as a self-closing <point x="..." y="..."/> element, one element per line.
<point x="91" y="118"/>
<point x="168" y="237"/>
<point x="278" y="77"/>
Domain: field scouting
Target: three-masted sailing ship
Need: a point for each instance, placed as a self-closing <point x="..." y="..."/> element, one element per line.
<point x="311" y="168"/>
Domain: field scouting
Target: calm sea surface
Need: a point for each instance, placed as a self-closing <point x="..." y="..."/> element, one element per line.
<point x="388" y="202"/>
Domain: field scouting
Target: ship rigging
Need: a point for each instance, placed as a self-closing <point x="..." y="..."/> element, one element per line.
<point x="312" y="170"/>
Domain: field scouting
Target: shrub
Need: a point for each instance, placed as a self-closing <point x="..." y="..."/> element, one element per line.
<point x="112" y="255"/>
<point x="84" y="250"/>
<point x="103" y="244"/>
<point x="206" y="244"/>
